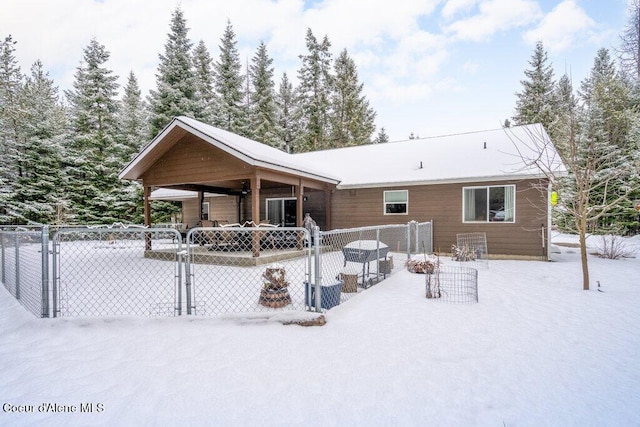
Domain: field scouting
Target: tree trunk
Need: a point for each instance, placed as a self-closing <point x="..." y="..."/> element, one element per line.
<point x="583" y="255"/>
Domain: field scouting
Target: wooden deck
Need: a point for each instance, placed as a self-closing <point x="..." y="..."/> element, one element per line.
<point x="203" y="255"/>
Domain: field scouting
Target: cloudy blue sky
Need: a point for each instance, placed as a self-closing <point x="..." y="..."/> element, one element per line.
<point x="429" y="67"/>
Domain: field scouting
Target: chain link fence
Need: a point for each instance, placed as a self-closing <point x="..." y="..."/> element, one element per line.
<point x="247" y="269"/>
<point x="112" y="272"/>
<point x="132" y="270"/>
<point x="24" y="267"/>
<point x="362" y="257"/>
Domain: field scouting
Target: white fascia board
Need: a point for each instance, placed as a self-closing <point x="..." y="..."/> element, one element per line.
<point x="470" y="180"/>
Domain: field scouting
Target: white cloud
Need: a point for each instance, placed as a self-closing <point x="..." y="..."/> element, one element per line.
<point x="495" y="16"/>
<point x="560" y="27"/>
<point x="470" y="67"/>
<point x="411" y="54"/>
<point x="453" y="7"/>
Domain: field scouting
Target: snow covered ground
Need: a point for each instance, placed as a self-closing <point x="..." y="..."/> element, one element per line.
<point x="536" y="350"/>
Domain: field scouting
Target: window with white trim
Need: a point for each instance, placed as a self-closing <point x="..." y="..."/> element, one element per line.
<point x="495" y="203"/>
<point x="396" y="202"/>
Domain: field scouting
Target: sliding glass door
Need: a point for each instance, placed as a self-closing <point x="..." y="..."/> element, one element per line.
<point x="282" y="212"/>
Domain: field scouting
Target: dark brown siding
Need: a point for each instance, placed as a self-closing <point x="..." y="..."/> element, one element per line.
<point x="194" y="160"/>
<point x="443" y="205"/>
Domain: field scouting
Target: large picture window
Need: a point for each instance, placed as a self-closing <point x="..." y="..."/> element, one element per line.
<point x="396" y="202"/>
<point x="489" y="204"/>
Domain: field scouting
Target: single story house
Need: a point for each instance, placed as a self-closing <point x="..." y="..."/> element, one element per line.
<point x="470" y="182"/>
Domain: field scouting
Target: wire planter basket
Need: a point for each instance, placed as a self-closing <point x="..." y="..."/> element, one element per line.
<point x="452" y="284"/>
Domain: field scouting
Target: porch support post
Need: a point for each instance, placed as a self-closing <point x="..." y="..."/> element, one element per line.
<point x="147" y="216"/>
<point x="255" y="199"/>
<point x="327" y="207"/>
<point x="255" y="214"/>
<point x="200" y="203"/>
<point x="299" y="203"/>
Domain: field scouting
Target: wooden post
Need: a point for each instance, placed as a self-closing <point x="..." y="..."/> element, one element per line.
<point x="255" y="199"/>
<point x="300" y="213"/>
<point x="327" y="207"/>
<point x="299" y="203"/>
<point x="200" y="203"/>
<point x="147" y="216"/>
<point x="255" y="214"/>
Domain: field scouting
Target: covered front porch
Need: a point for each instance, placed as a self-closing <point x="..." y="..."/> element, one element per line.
<point x="228" y="179"/>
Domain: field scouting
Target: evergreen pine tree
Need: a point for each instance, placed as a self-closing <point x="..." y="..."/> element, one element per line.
<point x="93" y="181"/>
<point x="263" y="106"/>
<point x="536" y="103"/>
<point x="629" y="51"/>
<point x="287" y="114"/>
<point x="203" y="65"/>
<point x="352" y="120"/>
<point x="608" y="98"/>
<point x="133" y="134"/>
<point x="232" y="115"/>
<point x="133" y="119"/>
<point x="10" y="83"/>
<point x="176" y="91"/>
<point x="314" y="92"/>
<point x="382" y="137"/>
<point x="39" y="195"/>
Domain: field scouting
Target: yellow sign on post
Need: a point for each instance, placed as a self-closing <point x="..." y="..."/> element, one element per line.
<point x="554" y="198"/>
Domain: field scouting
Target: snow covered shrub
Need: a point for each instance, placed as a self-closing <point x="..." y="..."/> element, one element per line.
<point x="463" y="253"/>
<point x="423" y="266"/>
<point x="613" y="247"/>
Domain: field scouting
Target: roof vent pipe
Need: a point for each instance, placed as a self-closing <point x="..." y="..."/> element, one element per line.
<point x="485" y="145"/>
<point x="420" y="164"/>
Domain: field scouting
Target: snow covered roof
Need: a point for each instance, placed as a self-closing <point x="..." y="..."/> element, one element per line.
<point x="492" y="155"/>
<point x="245" y="149"/>
<point x="467" y="157"/>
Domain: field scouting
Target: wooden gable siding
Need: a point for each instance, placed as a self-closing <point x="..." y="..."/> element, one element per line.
<point x="193" y="160"/>
<point x="443" y="205"/>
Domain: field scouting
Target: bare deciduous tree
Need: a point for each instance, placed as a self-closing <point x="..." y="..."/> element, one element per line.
<point x="593" y="168"/>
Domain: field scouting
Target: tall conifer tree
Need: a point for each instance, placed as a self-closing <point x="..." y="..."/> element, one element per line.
<point x="536" y="103"/>
<point x="133" y="134"/>
<point x="39" y="195"/>
<point x="92" y="174"/>
<point x="287" y="114"/>
<point x="231" y="111"/>
<point x="263" y="107"/>
<point x="314" y="92"/>
<point x="176" y="92"/>
<point x="352" y="120"/>
<point x="10" y="82"/>
<point x="203" y="65"/>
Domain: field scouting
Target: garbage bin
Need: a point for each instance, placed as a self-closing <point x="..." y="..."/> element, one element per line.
<point x="329" y="294"/>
